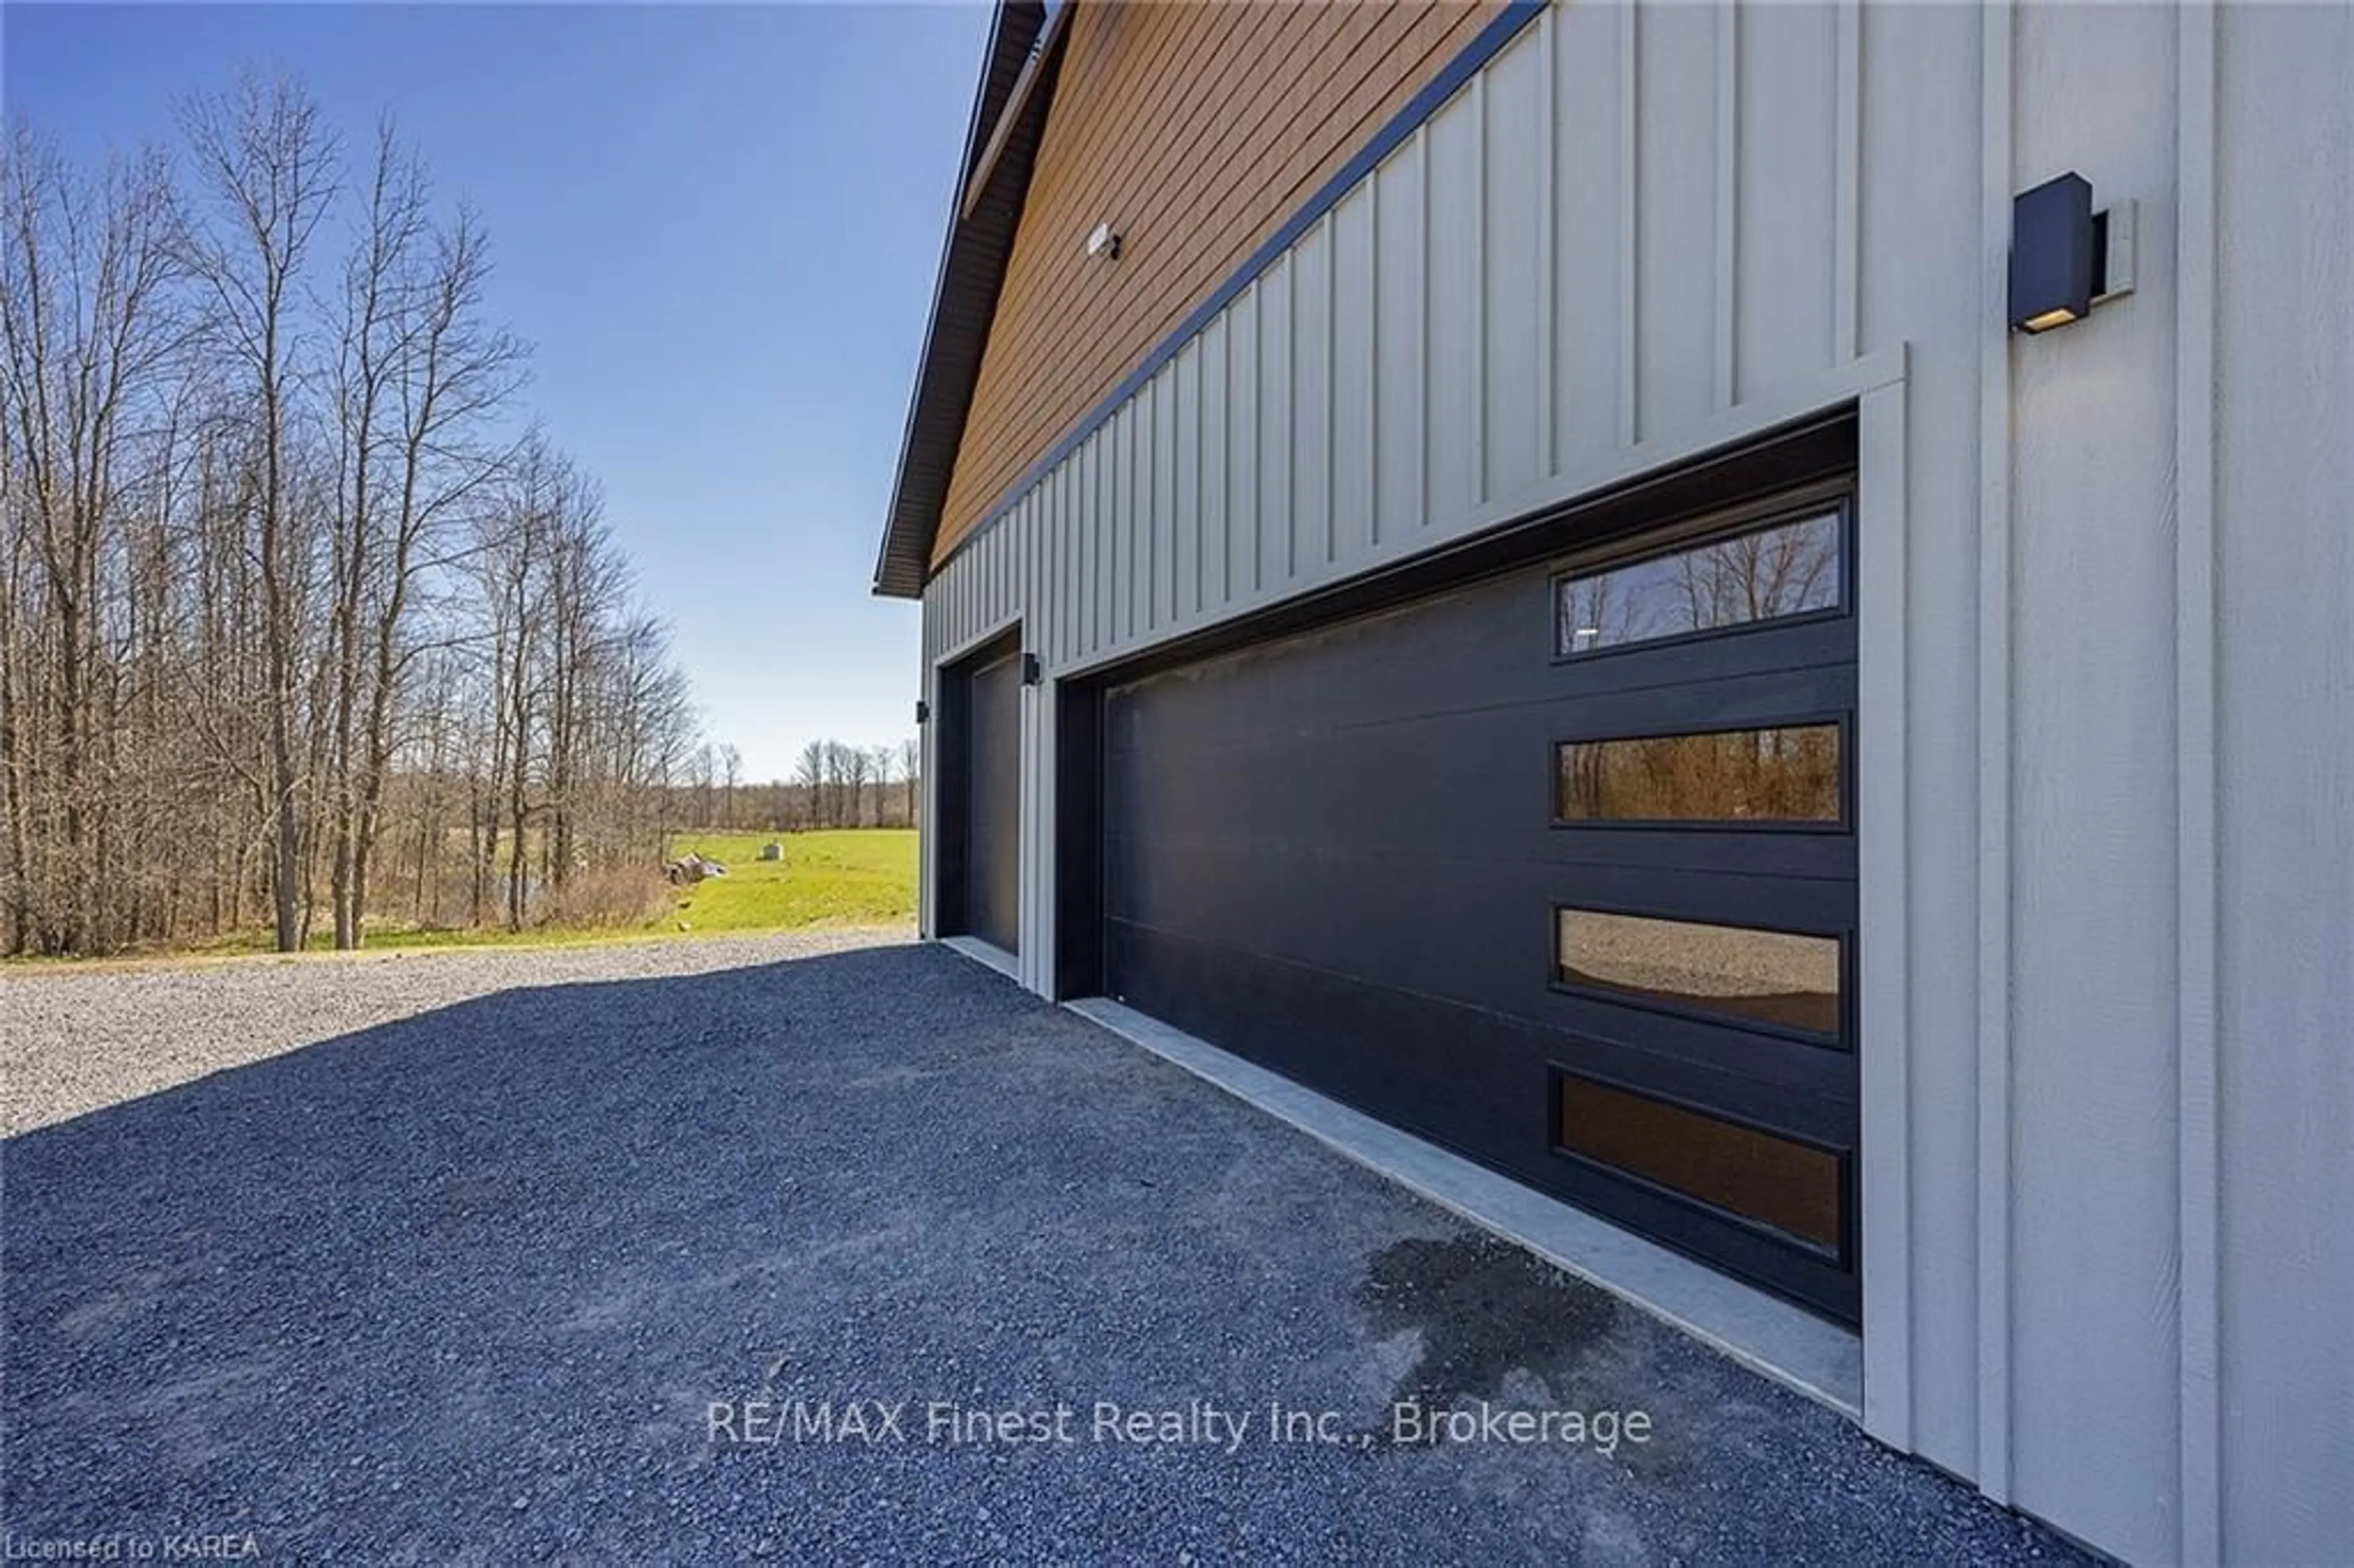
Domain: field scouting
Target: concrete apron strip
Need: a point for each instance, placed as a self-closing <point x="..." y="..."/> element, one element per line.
<point x="1793" y="1347"/>
<point x="982" y="952"/>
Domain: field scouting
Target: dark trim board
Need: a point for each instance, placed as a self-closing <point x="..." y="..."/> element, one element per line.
<point x="1044" y="56"/>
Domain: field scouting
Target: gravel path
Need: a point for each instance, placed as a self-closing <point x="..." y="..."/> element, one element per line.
<point x="75" y="1038"/>
<point x="531" y="1256"/>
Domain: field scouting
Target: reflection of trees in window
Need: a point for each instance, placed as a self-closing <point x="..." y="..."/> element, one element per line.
<point x="1784" y="568"/>
<point x="1788" y="774"/>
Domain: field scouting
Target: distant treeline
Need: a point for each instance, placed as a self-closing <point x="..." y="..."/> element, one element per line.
<point x="832" y="786"/>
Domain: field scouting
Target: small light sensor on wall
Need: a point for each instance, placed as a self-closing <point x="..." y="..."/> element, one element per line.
<point x="1103" y="243"/>
<point x="2064" y="257"/>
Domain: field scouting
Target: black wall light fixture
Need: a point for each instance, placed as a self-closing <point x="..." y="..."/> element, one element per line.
<point x="2064" y="257"/>
<point x="1030" y="670"/>
<point x="923" y="710"/>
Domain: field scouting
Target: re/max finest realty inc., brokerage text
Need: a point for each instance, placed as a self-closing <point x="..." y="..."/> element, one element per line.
<point x="1228" y="1426"/>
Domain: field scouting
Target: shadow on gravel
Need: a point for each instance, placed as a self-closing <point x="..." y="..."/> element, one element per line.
<point x="473" y="1287"/>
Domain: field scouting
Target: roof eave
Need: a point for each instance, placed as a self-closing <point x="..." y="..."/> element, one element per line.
<point x="974" y="257"/>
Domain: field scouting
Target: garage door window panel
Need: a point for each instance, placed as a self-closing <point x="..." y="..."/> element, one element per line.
<point x="1794" y="1191"/>
<point x="1776" y="776"/>
<point x="1778" y="979"/>
<point x="1774" y="572"/>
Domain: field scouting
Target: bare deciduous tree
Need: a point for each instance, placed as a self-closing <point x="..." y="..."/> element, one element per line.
<point x="88" y="324"/>
<point x="274" y="591"/>
<point x="269" y="169"/>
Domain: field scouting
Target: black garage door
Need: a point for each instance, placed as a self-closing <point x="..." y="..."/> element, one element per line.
<point x="1556" y="869"/>
<point x="980" y="843"/>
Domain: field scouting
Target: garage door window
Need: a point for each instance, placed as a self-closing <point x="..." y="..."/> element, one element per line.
<point x="1786" y="774"/>
<point x="1768" y="573"/>
<point x="1780" y="978"/>
<point x="1793" y="1191"/>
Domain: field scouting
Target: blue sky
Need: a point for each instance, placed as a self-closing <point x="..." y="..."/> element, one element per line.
<point x="718" y="226"/>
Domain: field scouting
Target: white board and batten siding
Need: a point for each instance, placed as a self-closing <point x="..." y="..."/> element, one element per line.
<point x="2106" y="738"/>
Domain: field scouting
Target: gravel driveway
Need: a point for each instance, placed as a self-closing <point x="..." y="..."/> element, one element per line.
<point x="603" y="1254"/>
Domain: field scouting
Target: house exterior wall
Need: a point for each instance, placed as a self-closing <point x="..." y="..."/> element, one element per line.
<point x="2106" y="739"/>
<point x="2270" y="1069"/>
<point x="1195" y="129"/>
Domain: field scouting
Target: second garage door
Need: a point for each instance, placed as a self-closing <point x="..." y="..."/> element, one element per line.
<point x="1556" y="869"/>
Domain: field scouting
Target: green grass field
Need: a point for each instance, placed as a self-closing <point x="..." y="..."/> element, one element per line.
<point x="842" y="877"/>
<point x="866" y="877"/>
